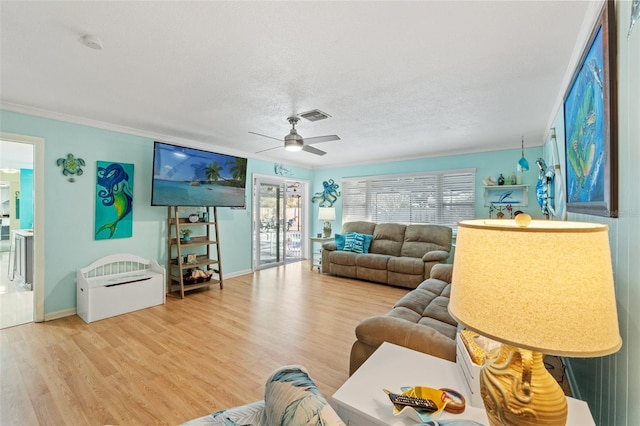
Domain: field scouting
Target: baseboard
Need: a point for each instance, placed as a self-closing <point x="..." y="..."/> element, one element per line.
<point x="59" y="314"/>
<point x="237" y="274"/>
<point x="72" y="311"/>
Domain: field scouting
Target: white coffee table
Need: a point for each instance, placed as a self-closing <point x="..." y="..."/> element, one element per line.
<point x="360" y="401"/>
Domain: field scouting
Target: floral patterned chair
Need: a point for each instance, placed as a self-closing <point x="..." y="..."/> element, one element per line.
<point x="291" y="399"/>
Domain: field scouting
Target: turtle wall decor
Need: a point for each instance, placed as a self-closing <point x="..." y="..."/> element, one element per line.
<point x="71" y="166"/>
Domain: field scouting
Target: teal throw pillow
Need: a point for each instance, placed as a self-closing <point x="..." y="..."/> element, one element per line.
<point x="357" y="243"/>
<point x="339" y="238"/>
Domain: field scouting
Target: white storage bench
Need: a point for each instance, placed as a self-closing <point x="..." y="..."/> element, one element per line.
<point x="118" y="284"/>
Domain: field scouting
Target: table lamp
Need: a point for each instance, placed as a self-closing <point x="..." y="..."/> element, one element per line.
<point x="327" y="214"/>
<point x="539" y="287"/>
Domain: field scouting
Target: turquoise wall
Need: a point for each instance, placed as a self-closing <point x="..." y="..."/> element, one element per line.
<point x="69" y="243"/>
<point x="486" y="164"/>
<point x="26" y="199"/>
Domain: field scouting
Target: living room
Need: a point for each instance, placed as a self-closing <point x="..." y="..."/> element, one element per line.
<point x="610" y="384"/>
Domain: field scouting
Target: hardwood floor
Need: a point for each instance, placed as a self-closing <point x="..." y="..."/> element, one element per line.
<point x="188" y="358"/>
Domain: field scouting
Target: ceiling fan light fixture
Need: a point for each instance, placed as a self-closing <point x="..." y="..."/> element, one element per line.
<point x="293" y="145"/>
<point x="293" y="141"/>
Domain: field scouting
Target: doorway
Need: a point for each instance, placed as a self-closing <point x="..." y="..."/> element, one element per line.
<point x="279" y="221"/>
<point x="21" y="247"/>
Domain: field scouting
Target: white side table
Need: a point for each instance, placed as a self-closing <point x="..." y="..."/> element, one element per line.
<point x="316" y="255"/>
<point x="361" y="402"/>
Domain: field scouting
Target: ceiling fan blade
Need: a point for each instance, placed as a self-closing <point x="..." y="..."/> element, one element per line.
<point x="268" y="149"/>
<point x="318" y="139"/>
<point x="270" y="137"/>
<point x="312" y="150"/>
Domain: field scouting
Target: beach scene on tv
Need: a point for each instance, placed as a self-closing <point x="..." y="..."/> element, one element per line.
<point x="190" y="177"/>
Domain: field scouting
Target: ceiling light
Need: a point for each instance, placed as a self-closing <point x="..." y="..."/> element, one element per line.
<point x="91" y="41"/>
<point x="293" y="141"/>
<point x="293" y="145"/>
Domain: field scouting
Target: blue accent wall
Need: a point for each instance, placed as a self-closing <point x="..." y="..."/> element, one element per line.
<point x="26" y="198"/>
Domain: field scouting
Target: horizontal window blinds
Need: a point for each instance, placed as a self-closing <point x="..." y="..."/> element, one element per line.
<point x="442" y="198"/>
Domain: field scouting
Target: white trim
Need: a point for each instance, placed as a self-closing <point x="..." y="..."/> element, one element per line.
<point x="117" y="128"/>
<point x="59" y="314"/>
<point x="408" y="175"/>
<point x="38" y="218"/>
<point x="255" y="219"/>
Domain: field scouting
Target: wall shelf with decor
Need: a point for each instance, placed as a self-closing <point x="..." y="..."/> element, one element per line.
<point x="194" y="260"/>
<point x="505" y="200"/>
<point x="501" y="195"/>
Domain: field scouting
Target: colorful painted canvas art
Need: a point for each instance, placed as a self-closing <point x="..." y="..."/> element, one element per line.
<point x="591" y="126"/>
<point x="114" y="200"/>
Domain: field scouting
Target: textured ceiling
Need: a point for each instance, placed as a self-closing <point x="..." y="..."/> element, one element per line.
<point x="399" y="79"/>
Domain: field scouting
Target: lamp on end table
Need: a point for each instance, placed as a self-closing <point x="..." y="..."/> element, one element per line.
<point x="327" y="214"/>
<point x="539" y="287"/>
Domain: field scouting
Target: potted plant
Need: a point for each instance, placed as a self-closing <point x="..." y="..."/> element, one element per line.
<point x="186" y="234"/>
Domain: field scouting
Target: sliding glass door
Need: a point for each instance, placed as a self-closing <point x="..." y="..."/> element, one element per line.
<point x="278" y="221"/>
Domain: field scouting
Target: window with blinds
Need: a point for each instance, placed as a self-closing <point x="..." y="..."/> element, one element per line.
<point x="441" y="198"/>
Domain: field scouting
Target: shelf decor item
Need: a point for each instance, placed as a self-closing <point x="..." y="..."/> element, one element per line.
<point x="590" y="118"/>
<point x="566" y="308"/>
<point x="186" y="234"/>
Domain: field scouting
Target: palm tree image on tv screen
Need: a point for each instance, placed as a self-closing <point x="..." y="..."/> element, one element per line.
<point x="185" y="176"/>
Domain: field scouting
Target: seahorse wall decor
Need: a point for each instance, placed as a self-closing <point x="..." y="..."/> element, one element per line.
<point x="328" y="195"/>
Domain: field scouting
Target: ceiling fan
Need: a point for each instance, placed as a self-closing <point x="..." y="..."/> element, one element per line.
<point x="294" y="142"/>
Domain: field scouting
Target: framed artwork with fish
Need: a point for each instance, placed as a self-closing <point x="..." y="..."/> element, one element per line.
<point x="590" y="124"/>
<point x="114" y="200"/>
<point x="503" y="195"/>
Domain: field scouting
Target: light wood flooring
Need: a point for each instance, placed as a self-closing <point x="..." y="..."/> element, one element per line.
<point x="188" y="358"/>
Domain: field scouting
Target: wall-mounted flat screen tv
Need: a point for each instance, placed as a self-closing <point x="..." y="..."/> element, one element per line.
<point x="192" y="177"/>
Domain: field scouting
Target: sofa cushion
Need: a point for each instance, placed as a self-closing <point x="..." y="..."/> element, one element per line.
<point x="421" y="239"/>
<point x="340" y="257"/>
<point x="388" y="239"/>
<point x="373" y="261"/>
<point x="361" y="227"/>
<point x="406" y="265"/>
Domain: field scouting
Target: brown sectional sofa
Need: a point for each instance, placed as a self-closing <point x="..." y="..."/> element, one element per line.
<point x="420" y="321"/>
<point x="399" y="255"/>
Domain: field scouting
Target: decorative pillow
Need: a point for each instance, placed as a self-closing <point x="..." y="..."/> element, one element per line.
<point x="357" y="243"/>
<point x="339" y="238"/>
<point x="292" y="398"/>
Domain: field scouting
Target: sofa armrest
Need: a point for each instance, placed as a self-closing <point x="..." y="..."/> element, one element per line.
<point x="374" y="331"/>
<point x="436" y="256"/>
<point x="442" y="272"/>
<point x="329" y="246"/>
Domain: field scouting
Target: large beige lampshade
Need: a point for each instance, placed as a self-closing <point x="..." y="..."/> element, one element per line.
<point x="547" y="287"/>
